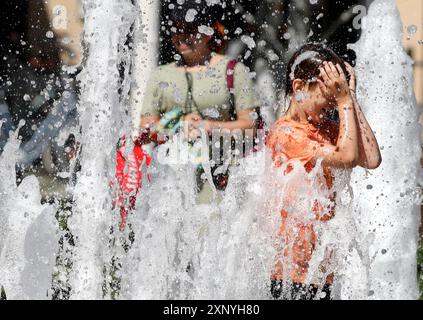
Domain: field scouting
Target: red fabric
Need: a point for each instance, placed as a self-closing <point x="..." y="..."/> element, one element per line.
<point x="129" y="178"/>
<point x="128" y="170"/>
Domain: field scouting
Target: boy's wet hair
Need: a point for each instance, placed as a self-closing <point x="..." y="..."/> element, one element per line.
<point x="305" y="64"/>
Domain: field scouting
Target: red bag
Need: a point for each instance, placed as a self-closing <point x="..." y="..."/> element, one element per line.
<point x="129" y="178"/>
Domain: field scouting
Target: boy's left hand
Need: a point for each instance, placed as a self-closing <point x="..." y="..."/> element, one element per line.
<point x="334" y="85"/>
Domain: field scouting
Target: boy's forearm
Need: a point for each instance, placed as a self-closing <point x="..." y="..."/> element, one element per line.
<point x="348" y="133"/>
<point x="369" y="147"/>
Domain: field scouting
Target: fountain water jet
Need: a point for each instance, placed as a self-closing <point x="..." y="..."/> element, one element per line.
<point x="375" y="232"/>
<point x="28" y="240"/>
<point x="375" y="228"/>
<point x="103" y="122"/>
<point x="386" y="207"/>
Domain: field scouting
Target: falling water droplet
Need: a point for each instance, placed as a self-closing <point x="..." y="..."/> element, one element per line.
<point x="190" y="15"/>
<point x="412" y="29"/>
<point x="50" y="34"/>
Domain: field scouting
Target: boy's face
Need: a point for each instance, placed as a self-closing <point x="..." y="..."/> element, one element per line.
<point x="313" y="102"/>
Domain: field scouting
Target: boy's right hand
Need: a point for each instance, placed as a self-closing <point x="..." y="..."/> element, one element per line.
<point x="335" y="84"/>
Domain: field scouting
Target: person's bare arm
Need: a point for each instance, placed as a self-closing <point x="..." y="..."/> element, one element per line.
<point x="335" y="87"/>
<point x="369" y="155"/>
<point x="243" y="122"/>
<point x="369" y="152"/>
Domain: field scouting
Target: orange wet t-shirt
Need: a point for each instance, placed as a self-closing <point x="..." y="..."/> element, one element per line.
<point x="298" y="140"/>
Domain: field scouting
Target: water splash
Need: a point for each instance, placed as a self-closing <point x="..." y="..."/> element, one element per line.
<point x="107" y="25"/>
<point x="28" y="241"/>
<point x="223" y="250"/>
<point x="386" y="208"/>
<point x="185" y="250"/>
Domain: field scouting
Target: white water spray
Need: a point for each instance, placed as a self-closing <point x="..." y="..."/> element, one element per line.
<point x="227" y="245"/>
<point x="373" y="235"/>
<point x="107" y="24"/>
<point x="28" y="241"/>
<point x="386" y="207"/>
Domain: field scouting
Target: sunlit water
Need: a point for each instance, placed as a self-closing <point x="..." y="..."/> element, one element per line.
<point x="230" y="245"/>
<point x="102" y="118"/>
<point x="386" y="208"/>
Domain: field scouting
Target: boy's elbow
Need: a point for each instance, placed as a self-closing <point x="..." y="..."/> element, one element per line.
<point x="374" y="163"/>
<point x="351" y="160"/>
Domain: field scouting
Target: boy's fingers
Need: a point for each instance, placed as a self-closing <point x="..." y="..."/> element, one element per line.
<point x="349" y="67"/>
<point x="341" y="72"/>
<point x="331" y="75"/>
<point x="324" y="74"/>
<point x="339" y="68"/>
<point x="351" y="72"/>
<point x="322" y="86"/>
<point x="329" y="71"/>
<point x="333" y="69"/>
